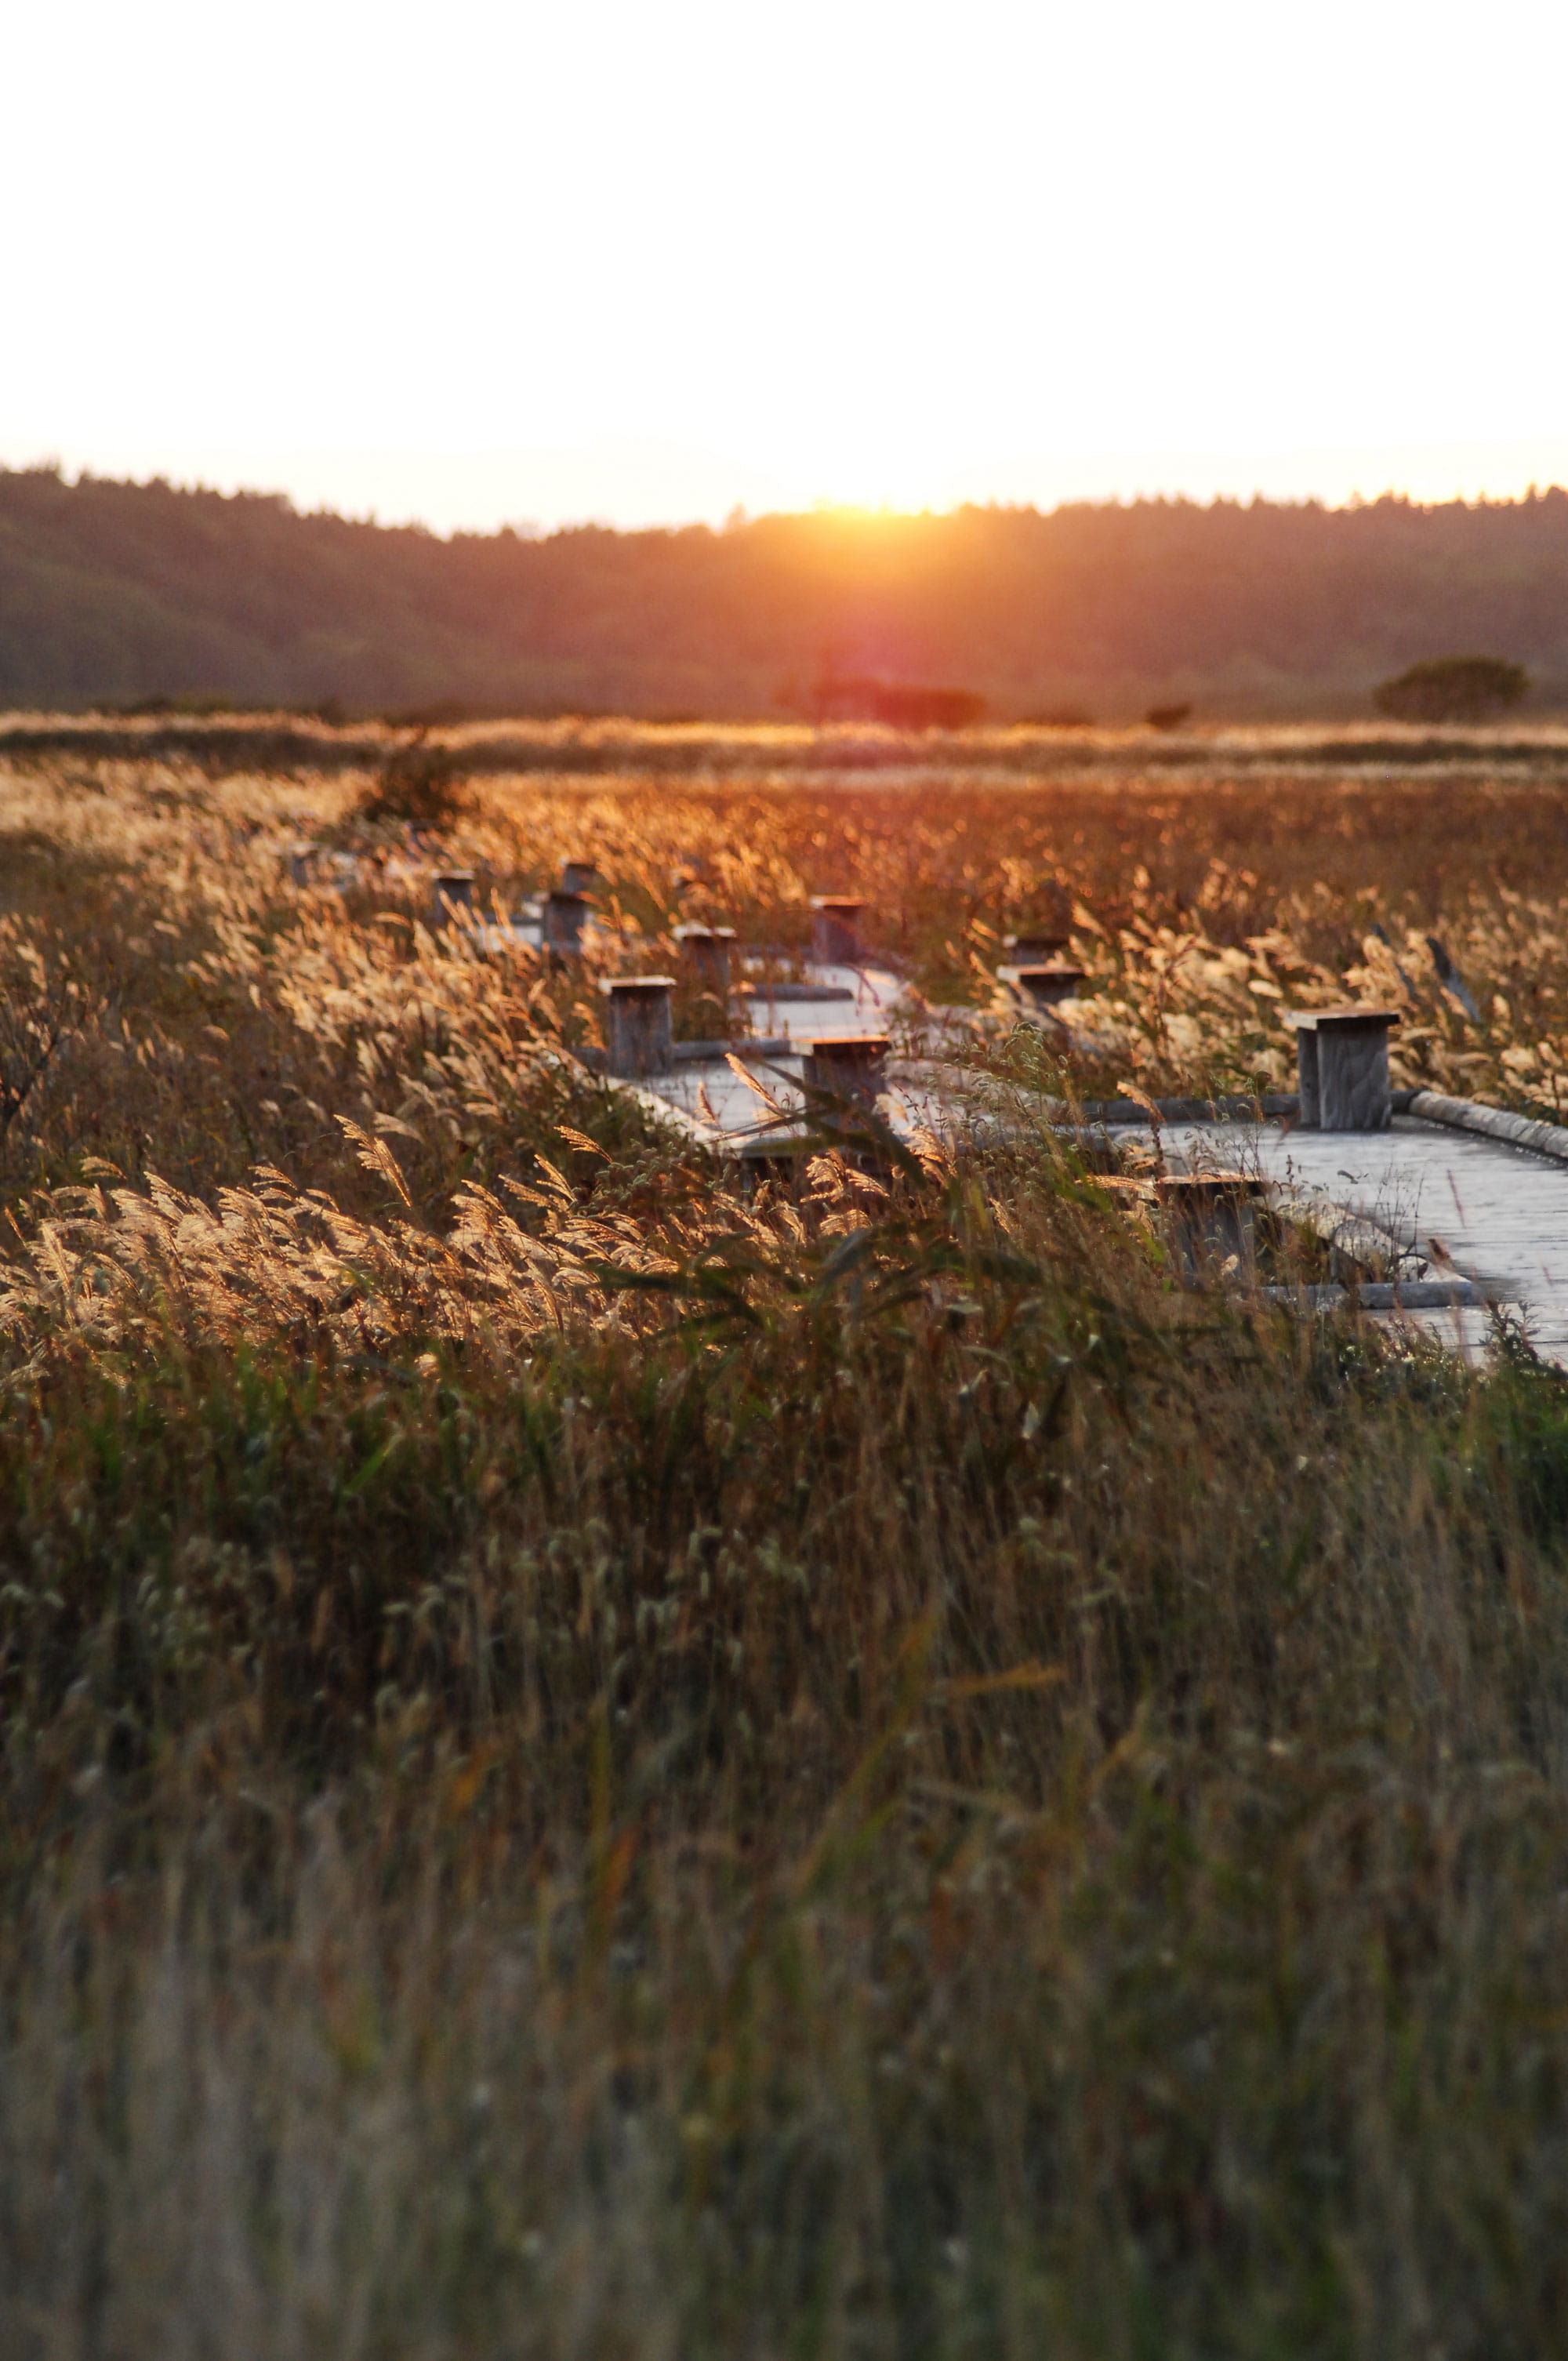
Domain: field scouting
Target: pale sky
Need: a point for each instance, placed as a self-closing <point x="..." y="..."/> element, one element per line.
<point x="480" y="262"/>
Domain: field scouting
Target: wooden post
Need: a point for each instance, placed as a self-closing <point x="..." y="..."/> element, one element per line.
<point x="1307" y="1077"/>
<point x="836" y="931"/>
<point x="850" y="1065"/>
<point x="562" y="923"/>
<point x="1042" y="987"/>
<point x="705" y="953"/>
<point x="1206" y="1219"/>
<point x="1209" y="1217"/>
<point x="453" y="890"/>
<point x="638" y="1027"/>
<point x="578" y="876"/>
<point x="1033" y="949"/>
<point x="302" y="863"/>
<point x="1342" y="1064"/>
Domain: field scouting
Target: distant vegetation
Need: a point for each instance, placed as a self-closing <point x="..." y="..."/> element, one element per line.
<point x="418" y="784"/>
<point x="124" y="595"/>
<point x="901" y="706"/>
<point x="1453" y="689"/>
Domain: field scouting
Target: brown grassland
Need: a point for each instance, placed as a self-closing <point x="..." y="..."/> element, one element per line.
<point x="600" y="1763"/>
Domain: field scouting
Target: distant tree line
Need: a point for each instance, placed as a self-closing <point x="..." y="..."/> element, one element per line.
<point x="118" y="594"/>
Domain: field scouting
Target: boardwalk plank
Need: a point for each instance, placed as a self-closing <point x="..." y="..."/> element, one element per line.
<point x="1498" y="1212"/>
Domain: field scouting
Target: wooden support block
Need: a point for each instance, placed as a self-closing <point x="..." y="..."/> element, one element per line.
<point x="1210" y="1219"/>
<point x="302" y="863"/>
<point x="562" y="919"/>
<point x="1341" y="1062"/>
<point x="792" y="992"/>
<point x="1353" y="1092"/>
<point x="850" y="1065"/>
<point x="836" y="931"/>
<point x="452" y="890"/>
<point x="1306" y="1076"/>
<point x="1033" y="949"/>
<point x="637" y="1024"/>
<point x="705" y="953"/>
<point x="1043" y="987"/>
<point x="578" y="876"/>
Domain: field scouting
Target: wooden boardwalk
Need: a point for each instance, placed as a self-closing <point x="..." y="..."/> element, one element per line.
<point x="865" y="1000"/>
<point x="720" y="1110"/>
<point x="1497" y="1214"/>
<point x="718" y="1107"/>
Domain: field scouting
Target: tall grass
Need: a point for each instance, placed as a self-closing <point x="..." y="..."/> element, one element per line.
<point x="595" y="1762"/>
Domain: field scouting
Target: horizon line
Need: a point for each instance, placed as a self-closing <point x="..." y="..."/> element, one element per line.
<point x="741" y="516"/>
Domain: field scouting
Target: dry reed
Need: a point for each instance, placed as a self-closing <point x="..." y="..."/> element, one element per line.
<point x="599" y="1763"/>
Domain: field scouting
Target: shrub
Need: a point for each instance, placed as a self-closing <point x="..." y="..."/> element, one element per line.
<point x="901" y="704"/>
<point x="1452" y="688"/>
<point x="419" y="784"/>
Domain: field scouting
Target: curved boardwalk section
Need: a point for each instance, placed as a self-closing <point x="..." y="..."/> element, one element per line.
<point x="1498" y="1212"/>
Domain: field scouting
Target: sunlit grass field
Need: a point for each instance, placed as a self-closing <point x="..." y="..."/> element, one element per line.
<point x="601" y="1761"/>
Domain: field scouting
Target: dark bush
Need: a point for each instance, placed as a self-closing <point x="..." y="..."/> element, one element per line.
<point x="419" y="784"/>
<point x="1452" y="688"/>
<point x="901" y="704"/>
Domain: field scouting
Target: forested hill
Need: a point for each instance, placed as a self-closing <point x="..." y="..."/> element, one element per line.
<point x="111" y="593"/>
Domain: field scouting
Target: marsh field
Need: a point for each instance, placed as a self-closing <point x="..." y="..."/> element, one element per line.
<point x="604" y="1760"/>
